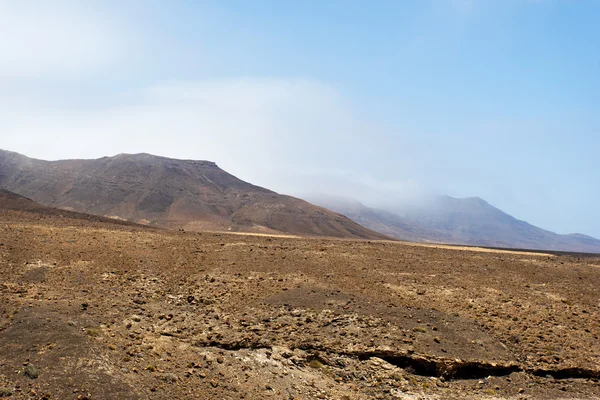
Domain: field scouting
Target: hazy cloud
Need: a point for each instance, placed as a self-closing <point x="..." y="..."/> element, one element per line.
<point x="89" y="79"/>
<point x="292" y="135"/>
<point x="56" y="38"/>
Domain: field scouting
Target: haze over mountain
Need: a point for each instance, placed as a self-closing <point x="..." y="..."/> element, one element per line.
<point x="470" y="221"/>
<point x="367" y="102"/>
<point x="198" y="195"/>
<point x="187" y="194"/>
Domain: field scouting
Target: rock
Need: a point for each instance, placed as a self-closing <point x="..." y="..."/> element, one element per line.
<point x="31" y="372"/>
<point x="170" y="378"/>
<point x="209" y="358"/>
<point x="282" y="351"/>
<point x="169" y="331"/>
<point x="387" y="366"/>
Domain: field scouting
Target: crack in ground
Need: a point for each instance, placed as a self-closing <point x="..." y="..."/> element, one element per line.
<point x="565" y="373"/>
<point x="449" y="369"/>
<point x="446" y="368"/>
<point x="459" y="369"/>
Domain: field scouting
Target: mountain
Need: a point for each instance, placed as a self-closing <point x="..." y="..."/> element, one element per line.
<point x="13" y="201"/>
<point x="469" y="221"/>
<point x="14" y="206"/>
<point x="379" y="220"/>
<point x="169" y="193"/>
<point x="474" y="221"/>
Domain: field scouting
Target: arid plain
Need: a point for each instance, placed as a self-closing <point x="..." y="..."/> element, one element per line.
<point x="96" y="309"/>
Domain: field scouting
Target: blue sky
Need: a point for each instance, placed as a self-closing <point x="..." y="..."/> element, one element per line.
<point x="381" y="101"/>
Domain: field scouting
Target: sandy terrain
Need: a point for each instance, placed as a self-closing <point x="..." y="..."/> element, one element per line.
<point x="95" y="310"/>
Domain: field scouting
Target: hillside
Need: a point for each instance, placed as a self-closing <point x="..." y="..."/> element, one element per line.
<point x="169" y="193"/>
<point x="469" y="221"/>
<point x="14" y="208"/>
<point x="474" y="221"/>
<point x="381" y="220"/>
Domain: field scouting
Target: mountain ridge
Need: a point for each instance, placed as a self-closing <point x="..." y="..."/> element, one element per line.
<point x="169" y="193"/>
<point x="463" y="221"/>
<point x="198" y="195"/>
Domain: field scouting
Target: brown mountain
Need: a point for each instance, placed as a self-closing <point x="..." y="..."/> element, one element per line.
<point x="14" y="202"/>
<point x="14" y="207"/>
<point x="469" y="221"/>
<point x="164" y="192"/>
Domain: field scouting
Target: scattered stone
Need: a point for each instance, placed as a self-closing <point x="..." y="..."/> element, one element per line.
<point x="243" y="346"/>
<point x="31" y="372"/>
<point x="170" y="378"/>
<point x="209" y="358"/>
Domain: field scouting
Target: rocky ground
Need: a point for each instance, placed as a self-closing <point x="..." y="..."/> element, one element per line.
<point x="94" y="310"/>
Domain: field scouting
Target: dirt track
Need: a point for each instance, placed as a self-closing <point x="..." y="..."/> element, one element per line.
<point x="108" y="311"/>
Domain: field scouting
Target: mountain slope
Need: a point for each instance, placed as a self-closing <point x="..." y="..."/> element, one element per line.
<point x="15" y="207"/>
<point x="469" y="221"/>
<point x="474" y="221"/>
<point x="194" y="195"/>
<point x="380" y="220"/>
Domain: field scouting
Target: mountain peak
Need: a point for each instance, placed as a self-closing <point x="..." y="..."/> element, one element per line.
<point x="152" y="157"/>
<point x="170" y="193"/>
<point x="469" y="220"/>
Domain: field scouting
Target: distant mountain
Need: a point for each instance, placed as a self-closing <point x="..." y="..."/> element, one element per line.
<point x="469" y="221"/>
<point x="474" y="221"/>
<point x="164" y="192"/>
<point x="379" y="220"/>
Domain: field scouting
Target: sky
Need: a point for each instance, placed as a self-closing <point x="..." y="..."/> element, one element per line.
<point x="381" y="101"/>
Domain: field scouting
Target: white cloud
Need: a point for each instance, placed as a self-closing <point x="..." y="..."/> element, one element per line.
<point x="57" y="38"/>
<point x="291" y="135"/>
